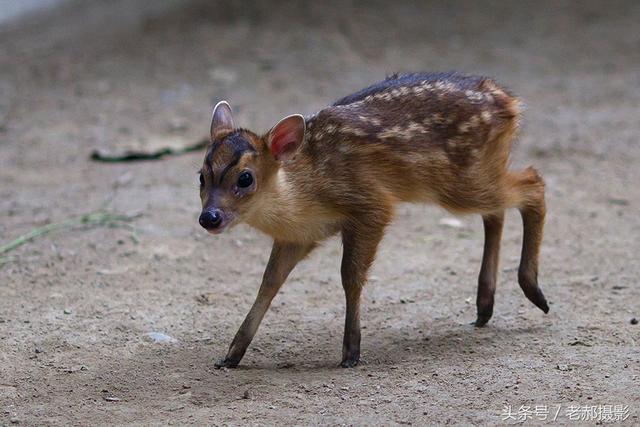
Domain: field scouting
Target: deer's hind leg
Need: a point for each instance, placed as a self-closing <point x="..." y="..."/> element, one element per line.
<point x="527" y="190"/>
<point x="489" y="271"/>
<point x="523" y="190"/>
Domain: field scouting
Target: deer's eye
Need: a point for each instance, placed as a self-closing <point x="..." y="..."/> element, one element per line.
<point x="201" y="179"/>
<point x="245" y="179"/>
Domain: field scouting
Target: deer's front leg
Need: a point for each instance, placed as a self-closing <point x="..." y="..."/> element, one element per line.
<point x="284" y="256"/>
<point x="360" y="245"/>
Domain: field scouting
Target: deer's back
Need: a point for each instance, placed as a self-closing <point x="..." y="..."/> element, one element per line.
<point x="412" y="136"/>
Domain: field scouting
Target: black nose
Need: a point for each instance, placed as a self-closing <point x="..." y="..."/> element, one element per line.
<point x="211" y="219"/>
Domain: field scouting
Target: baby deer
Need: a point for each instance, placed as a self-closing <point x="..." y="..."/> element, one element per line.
<point x="438" y="138"/>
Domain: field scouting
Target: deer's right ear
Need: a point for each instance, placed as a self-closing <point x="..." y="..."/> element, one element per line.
<point x="221" y="120"/>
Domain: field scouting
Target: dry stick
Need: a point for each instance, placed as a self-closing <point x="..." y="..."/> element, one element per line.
<point x="133" y="155"/>
<point x="93" y="218"/>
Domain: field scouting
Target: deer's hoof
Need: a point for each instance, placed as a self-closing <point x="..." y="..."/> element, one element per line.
<point x="350" y="362"/>
<point x="226" y="363"/>
<point x="481" y="320"/>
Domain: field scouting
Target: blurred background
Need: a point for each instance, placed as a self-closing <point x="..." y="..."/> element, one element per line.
<point x="77" y="306"/>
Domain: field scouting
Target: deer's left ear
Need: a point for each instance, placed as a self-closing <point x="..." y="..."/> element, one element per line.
<point x="285" y="137"/>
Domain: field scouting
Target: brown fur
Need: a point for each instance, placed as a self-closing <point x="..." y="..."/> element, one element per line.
<point x="438" y="140"/>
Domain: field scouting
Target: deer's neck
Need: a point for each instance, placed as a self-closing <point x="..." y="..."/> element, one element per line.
<point x="288" y="213"/>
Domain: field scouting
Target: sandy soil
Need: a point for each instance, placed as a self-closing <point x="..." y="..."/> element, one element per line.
<point x="76" y="306"/>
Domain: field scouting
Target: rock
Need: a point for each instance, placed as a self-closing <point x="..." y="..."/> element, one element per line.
<point x="206" y="299"/>
<point x="159" y="337"/>
<point x="124" y="179"/>
<point x="247" y="394"/>
<point x="633" y="321"/>
<point x="451" y="223"/>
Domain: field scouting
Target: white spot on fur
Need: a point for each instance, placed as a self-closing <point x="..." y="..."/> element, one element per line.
<point x="412" y="130"/>
<point x="353" y="131"/>
<point x="445" y="86"/>
<point x="416" y="128"/>
<point x="369" y="120"/>
<point x="385" y="96"/>
<point x="474" y="96"/>
<point x="392" y="132"/>
<point x="437" y="118"/>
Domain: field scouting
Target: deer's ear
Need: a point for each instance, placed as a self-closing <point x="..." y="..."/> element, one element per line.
<point x="285" y="137"/>
<point x="221" y="120"/>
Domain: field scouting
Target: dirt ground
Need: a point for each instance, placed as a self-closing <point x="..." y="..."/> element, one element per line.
<point x="76" y="306"/>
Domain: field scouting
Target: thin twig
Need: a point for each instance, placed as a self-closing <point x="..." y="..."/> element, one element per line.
<point x="99" y="218"/>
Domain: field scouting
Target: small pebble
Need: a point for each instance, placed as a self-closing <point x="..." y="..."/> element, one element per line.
<point x="159" y="337"/>
<point x="14" y="420"/>
<point x="247" y="394"/>
<point x="451" y="222"/>
<point x="633" y="321"/>
<point x="66" y="311"/>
